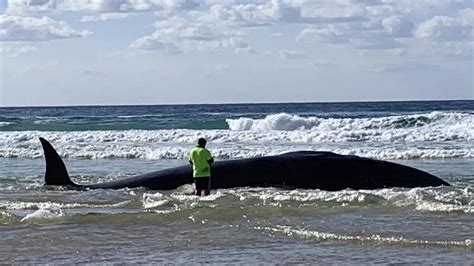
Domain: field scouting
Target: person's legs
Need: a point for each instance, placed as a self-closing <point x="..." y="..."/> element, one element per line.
<point x="207" y="191"/>
<point x="203" y="183"/>
<point x="198" y="190"/>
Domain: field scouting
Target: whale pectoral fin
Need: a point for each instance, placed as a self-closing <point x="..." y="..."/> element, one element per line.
<point x="56" y="172"/>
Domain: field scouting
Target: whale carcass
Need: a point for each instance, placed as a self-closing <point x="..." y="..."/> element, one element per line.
<point x="302" y="169"/>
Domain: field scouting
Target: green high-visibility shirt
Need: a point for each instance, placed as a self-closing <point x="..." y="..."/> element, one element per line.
<point x="200" y="157"/>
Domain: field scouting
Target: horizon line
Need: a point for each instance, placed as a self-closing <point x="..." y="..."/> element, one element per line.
<point x="235" y="103"/>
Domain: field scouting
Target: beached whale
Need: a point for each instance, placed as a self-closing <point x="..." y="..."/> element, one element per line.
<point x="304" y="169"/>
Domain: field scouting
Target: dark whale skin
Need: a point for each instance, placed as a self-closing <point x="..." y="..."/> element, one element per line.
<point x="302" y="169"/>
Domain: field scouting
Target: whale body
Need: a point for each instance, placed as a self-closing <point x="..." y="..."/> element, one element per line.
<point x="302" y="169"/>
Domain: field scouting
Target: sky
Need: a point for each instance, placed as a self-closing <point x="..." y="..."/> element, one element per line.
<point x="110" y="52"/>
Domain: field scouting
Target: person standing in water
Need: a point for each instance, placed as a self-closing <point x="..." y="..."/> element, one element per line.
<point x="201" y="159"/>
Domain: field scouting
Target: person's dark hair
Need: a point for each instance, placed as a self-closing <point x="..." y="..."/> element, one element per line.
<point x="202" y="142"/>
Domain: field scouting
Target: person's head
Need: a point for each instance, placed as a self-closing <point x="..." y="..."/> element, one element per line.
<point x="202" y="142"/>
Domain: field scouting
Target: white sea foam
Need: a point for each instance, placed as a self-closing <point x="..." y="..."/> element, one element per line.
<point x="289" y="122"/>
<point x="45" y="210"/>
<point x="6" y="218"/>
<point x="305" y="196"/>
<point x="174" y="145"/>
<point x="116" y="145"/>
<point x="438" y="200"/>
<point x="13" y="205"/>
<point x="435" y="126"/>
<point x="38" y="211"/>
<point x="432" y="135"/>
<point x="446" y="199"/>
<point x="43" y="214"/>
<point x="375" y="238"/>
<point x="2" y="124"/>
<point x="430" y="200"/>
<point x="140" y="116"/>
<point x="153" y="200"/>
<point x="29" y="205"/>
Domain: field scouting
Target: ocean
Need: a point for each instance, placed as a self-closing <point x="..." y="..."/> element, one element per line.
<point x="241" y="225"/>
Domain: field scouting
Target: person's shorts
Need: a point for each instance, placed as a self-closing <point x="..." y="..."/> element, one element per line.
<point x="203" y="183"/>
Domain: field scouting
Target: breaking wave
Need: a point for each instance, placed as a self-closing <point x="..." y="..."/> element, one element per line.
<point x="156" y="152"/>
<point x="430" y="136"/>
<point x="434" y="126"/>
<point x="2" y="124"/>
<point x="289" y="122"/>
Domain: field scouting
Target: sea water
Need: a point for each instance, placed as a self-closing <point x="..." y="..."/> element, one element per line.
<point x="239" y="225"/>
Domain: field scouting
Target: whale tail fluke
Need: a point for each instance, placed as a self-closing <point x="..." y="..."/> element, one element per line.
<point x="56" y="172"/>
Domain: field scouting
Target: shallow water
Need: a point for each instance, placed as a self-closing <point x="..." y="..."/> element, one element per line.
<point x="242" y="225"/>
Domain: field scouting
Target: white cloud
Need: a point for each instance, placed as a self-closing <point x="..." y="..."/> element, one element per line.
<point x="466" y="17"/>
<point x="22" y="6"/>
<point x="291" y="54"/>
<point x="15" y="50"/>
<point x="389" y="35"/>
<point x="338" y="21"/>
<point x="32" y="6"/>
<point x="104" y="17"/>
<point x="153" y="42"/>
<point x="177" y="34"/>
<point x="97" y="6"/>
<point x="377" y="33"/>
<point x="397" y="26"/>
<point x="247" y="50"/>
<point x="265" y="13"/>
<point x="244" y="15"/>
<point x="431" y="6"/>
<point x="459" y="51"/>
<point x="335" y="34"/>
<point x="387" y="21"/>
<point x="189" y="25"/>
<point x="332" y="11"/>
<point x="18" y="28"/>
<point x="447" y="29"/>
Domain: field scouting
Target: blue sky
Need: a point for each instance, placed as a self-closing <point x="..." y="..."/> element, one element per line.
<point x="75" y="52"/>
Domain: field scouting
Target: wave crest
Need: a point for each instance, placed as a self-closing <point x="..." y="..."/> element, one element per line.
<point x="432" y="135"/>
<point x="289" y="122"/>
